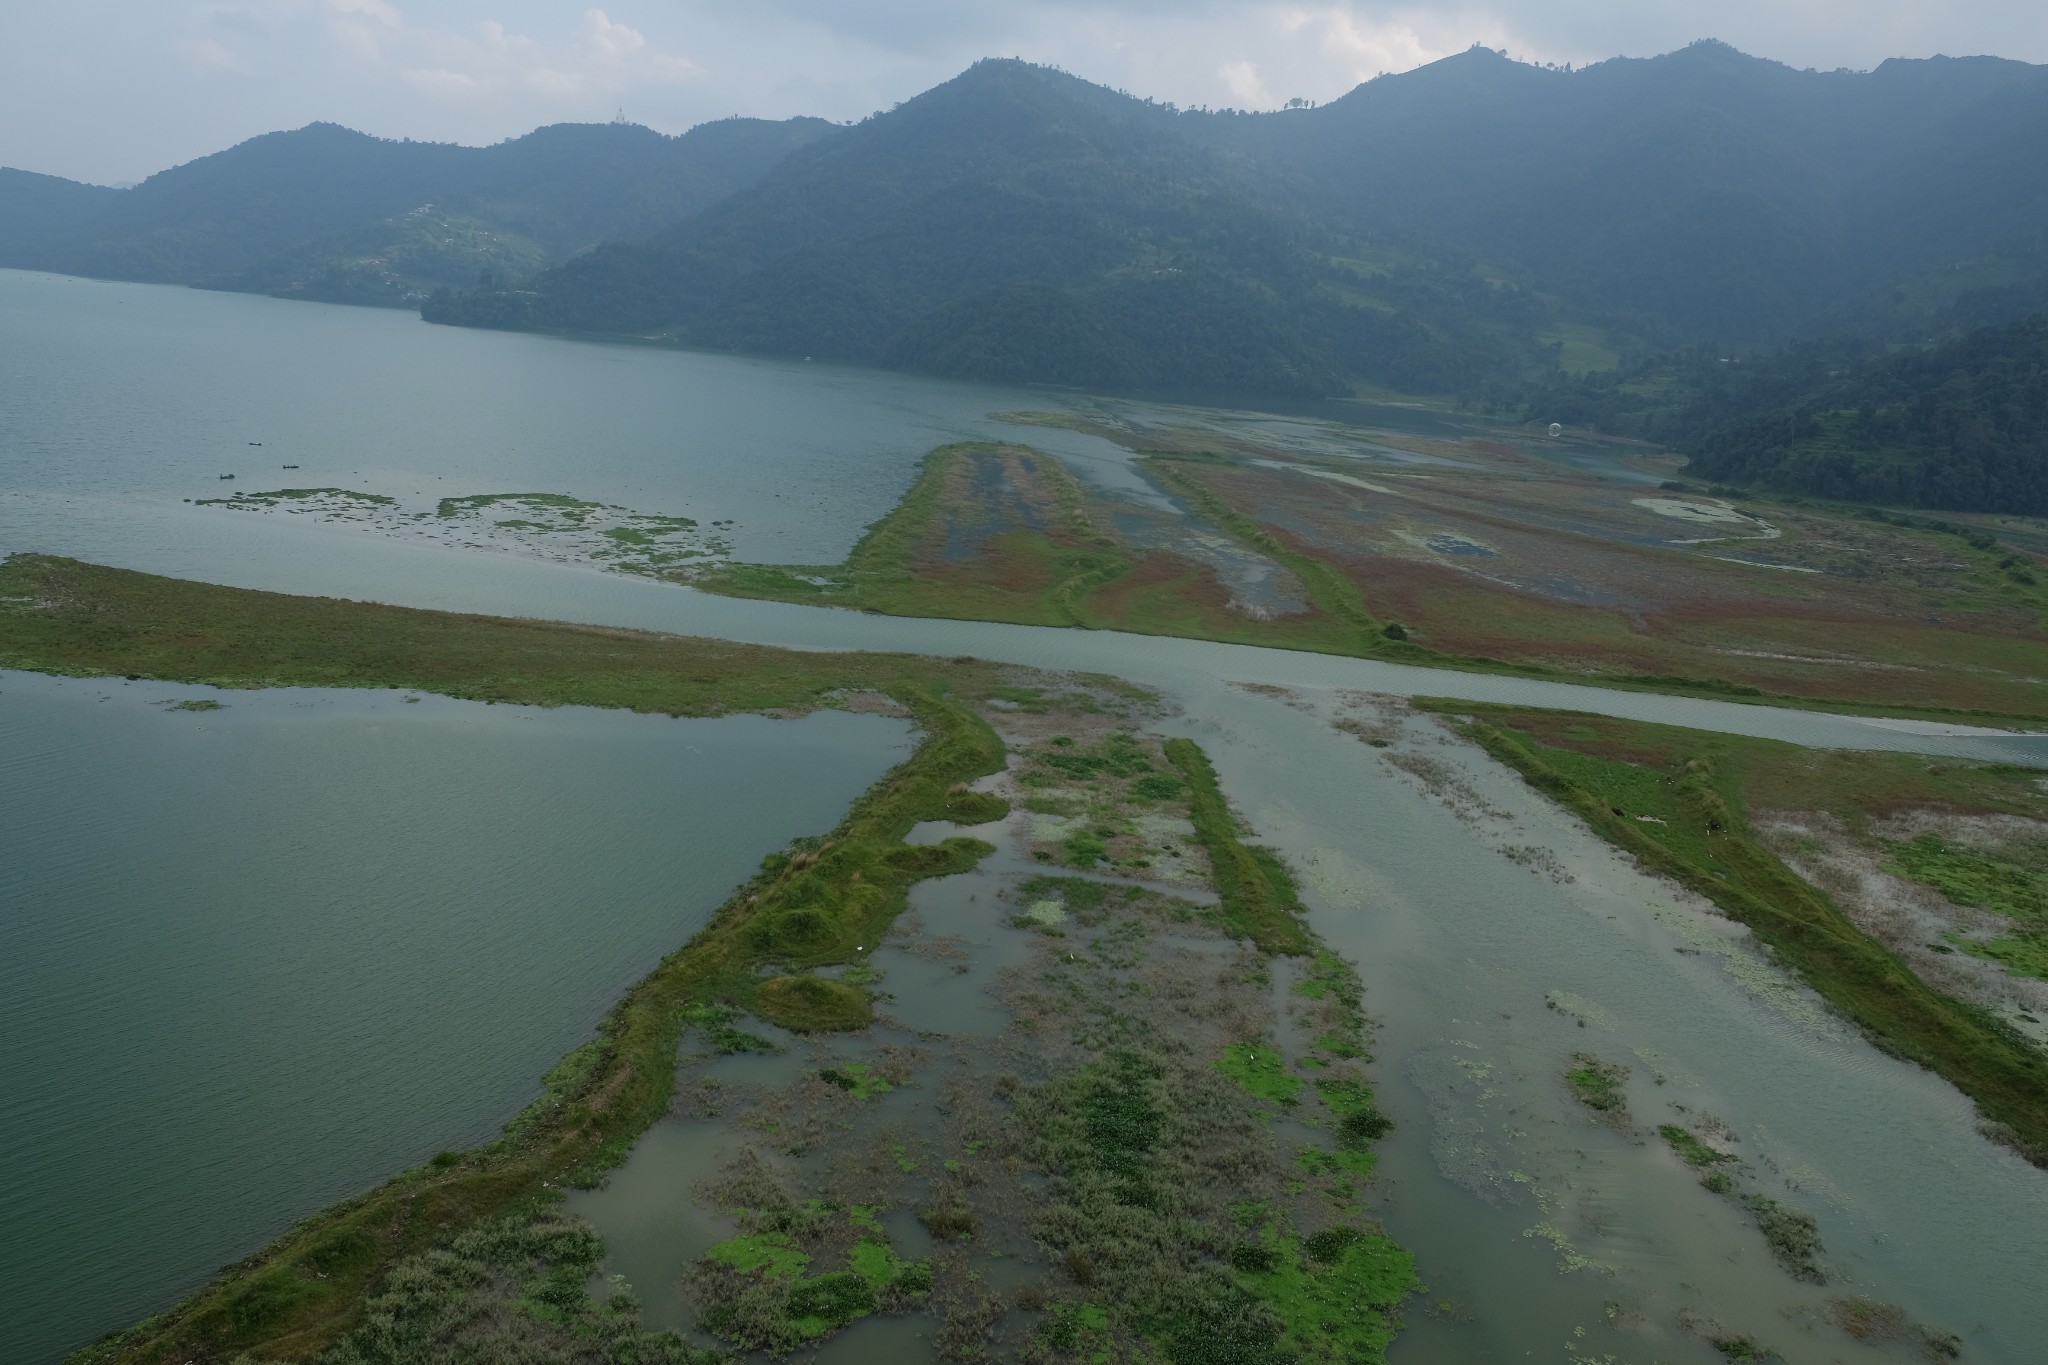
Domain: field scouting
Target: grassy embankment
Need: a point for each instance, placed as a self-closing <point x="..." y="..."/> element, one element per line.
<point x="300" y="1294"/>
<point x="945" y="551"/>
<point x="1256" y="891"/>
<point x="1021" y="574"/>
<point x="1677" y="800"/>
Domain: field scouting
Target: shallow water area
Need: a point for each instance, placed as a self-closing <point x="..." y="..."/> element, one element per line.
<point x="1530" y="1218"/>
<point x="146" y="390"/>
<point x="258" y="957"/>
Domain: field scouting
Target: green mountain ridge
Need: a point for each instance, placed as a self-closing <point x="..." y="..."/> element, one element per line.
<point x="321" y="211"/>
<point x="1440" y="231"/>
<point x="1020" y="223"/>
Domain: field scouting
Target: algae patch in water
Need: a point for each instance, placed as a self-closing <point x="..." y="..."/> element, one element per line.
<point x="1690" y="1149"/>
<point x="857" y="1079"/>
<point x="1598" y="1085"/>
<point x="717" y="1025"/>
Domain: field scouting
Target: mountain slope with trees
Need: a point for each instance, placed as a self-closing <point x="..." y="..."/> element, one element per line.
<point x="1020" y="223"/>
<point x="1445" y="230"/>
<point x="331" y="207"/>
<point x="1962" y="426"/>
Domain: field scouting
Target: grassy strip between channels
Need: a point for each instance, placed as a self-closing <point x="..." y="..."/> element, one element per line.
<point x="1031" y="577"/>
<point x="801" y="911"/>
<point x="1679" y="809"/>
<point x="1328" y="587"/>
<point x="1258" y="895"/>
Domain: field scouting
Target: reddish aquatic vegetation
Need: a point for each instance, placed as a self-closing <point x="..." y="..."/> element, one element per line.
<point x="1575" y="575"/>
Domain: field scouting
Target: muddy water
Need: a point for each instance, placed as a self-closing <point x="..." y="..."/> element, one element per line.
<point x="1526" y="1215"/>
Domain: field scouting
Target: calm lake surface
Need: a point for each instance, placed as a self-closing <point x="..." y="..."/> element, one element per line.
<point x="119" y="401"/>
<point x="255" y="959"/>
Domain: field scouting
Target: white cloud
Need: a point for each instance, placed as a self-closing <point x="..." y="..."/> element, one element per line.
<point x="205" y="54"/>
<point x="136" y="85"/>
<point x="1242" y="80"/>
<point x="486" y="60"/>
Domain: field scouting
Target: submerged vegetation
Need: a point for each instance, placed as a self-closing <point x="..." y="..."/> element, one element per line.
<point x="1174" y="1215"/>
<point x="1598" y="1085"/>
<point x="1679" y="802"/>
<point x="307" y="1290"/>
<point x="512" y="1289"/>
<point x="1258" y="895"/>
<point x="1177" y="1211"/>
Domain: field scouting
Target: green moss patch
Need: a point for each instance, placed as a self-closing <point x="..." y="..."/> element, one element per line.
<point x="1261" y="1070"/>
<point x="775" y="1286"/>
<point x="1335" y="1292"/>
<point x="2010" y="881"/>
<point x="1598" y="1086"/>
<point x="1974" y="877"/>
<point x="1690" y="1149"/>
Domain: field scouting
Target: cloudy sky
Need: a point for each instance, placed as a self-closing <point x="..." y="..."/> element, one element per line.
<point x="111" y="90"/>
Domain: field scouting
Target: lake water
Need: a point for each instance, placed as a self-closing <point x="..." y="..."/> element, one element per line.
<point x="255" y="959"/>
<point x="118" y="401"/>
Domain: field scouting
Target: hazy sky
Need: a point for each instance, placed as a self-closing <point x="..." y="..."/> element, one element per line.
<point x="111" y="90"/>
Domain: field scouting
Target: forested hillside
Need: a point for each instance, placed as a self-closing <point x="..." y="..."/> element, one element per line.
<point x="1960" y="426"/>
<point x="325" y="212"/>
<point x="36" y="207"/>
<point x="1018" y="223"/>
<point x="1466" y="228"/>
<point x="1704" y="195"/>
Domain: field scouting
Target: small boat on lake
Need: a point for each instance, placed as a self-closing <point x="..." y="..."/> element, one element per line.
<point x="227" y="476"/>
<point x="291" y="466"/>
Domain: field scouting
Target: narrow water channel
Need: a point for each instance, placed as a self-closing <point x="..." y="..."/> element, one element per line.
<point x="1498" y="1179"/>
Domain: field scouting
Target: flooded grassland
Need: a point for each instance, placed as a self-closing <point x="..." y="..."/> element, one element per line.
<point x="1113" y="1106"/>
<point x="1142" y="1124"/>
